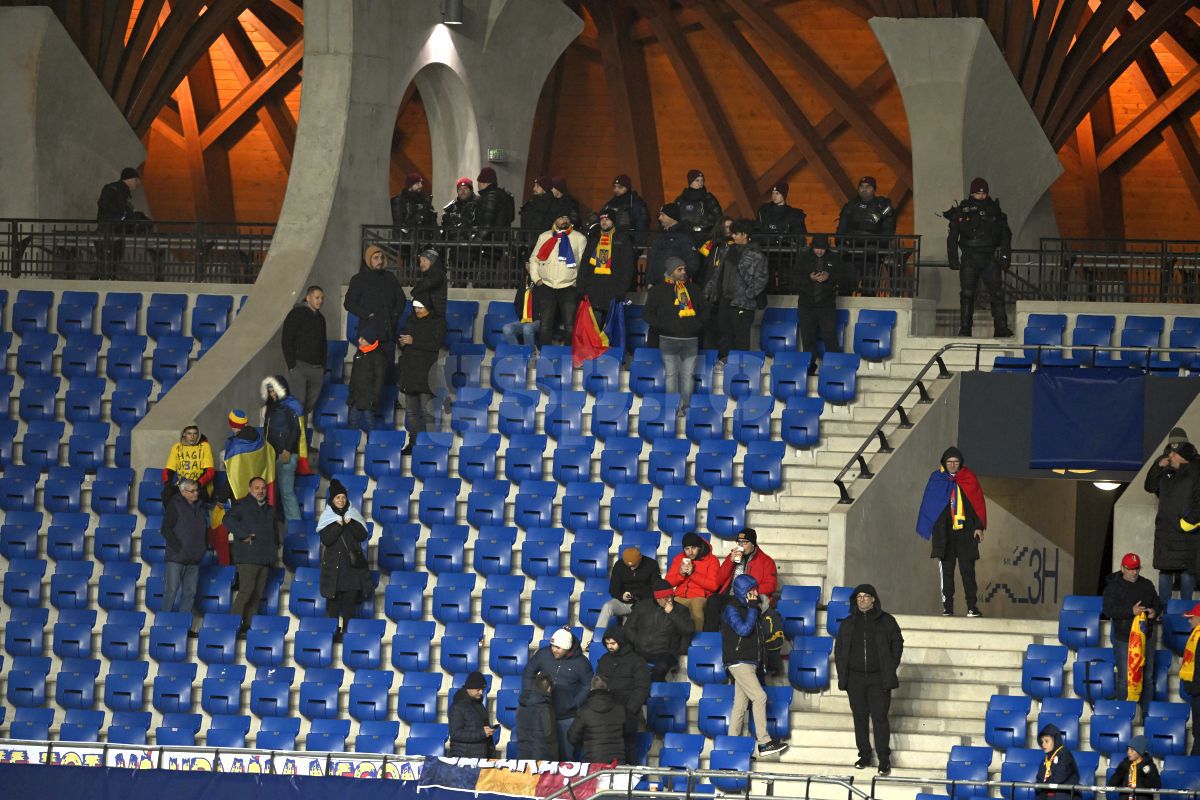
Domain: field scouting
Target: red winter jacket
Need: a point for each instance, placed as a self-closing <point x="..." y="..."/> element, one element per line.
<point x="705" y="577"/>
<point x="761" y="567"/>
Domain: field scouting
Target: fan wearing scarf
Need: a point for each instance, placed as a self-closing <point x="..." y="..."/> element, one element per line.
<point x="1189" y="676"/>
<point x="1058" y="766"/>
<point x="678" y="311"/>
<point x="607" y="268"/>
<point x="345" y="577"/>
<point x="554" y="266"/>
<point x="953" y="514"/>
<point x="1137" y="770"/>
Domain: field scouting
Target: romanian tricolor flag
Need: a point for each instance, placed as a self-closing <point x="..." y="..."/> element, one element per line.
<point x="511" y="778"/>
<point x="1137" y="657"/>
<point x="589" y="340"/>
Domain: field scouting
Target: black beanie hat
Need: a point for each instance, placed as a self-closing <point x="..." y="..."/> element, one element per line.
<point x="129" y="172"/>
<point x="336" y="488"/>
<point x="475" y="681"/>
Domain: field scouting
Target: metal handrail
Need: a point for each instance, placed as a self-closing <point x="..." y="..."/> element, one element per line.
<point x="897" y="408"/>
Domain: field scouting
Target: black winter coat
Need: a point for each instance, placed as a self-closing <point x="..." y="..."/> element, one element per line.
<point x="629" y="212"/>
<point x="874" y="217"/>
<point x="599" y="729"/>
<point x="537" y="727"/>
<point x="603" y="289"/>
<point x="376" y="294"/>
<point x="570" y="675"/>
<point x="366" y="379"/>
<point x="627" y="674"/>
<point x="467" y="718"/>
<point x="563" y="205"/>
<point x="638" y="582"/>
<point x="652" y="631"/>
<point x="775" y="219"/>
<point x="255" y="537"/>
<point x="1147" y="778"/>
<point x="535" y="214"/>
<point x="662" y="315"/>
<point x="699" y="212"/>
<point x="1120" y="596"/>
<point x="430" y="289"/>
<point x="1062" y="768"/>
<point x="810" y="293"/>
<point x="674" y="241"/>
<point x="281" y="427"/>
<point x="420" y="358"/>
<point x="966" y="546"/>
<point x="412" y="209"/>
<point x="880" y="634"/>
<point x="115" y="202"/>
<point x="303" y="337"/>
<point x="461" y="213"/>
<point x="496" y="208"/>
<point x="1174" y="549"/>
<point x="184" y="526"/>
<point x="337" y="574"/>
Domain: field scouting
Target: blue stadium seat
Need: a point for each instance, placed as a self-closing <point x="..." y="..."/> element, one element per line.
<point x="41" y="444"/>
<point x="20" y="539"/>
<point x="657" y="416"/>
<point x="426" y="746"/>
<point x="460" y="321"/>
<point x="637" y="330"/>
<point x="516" y="413"/>
<point x="1166" y="728"/>
<point x="553" y="369"/>
<point x="666" y="707"/>
<point x="24" y="634"/>
<point x="319" y="693"/>
<point x="382" y="455"/>
<point x="123" y="360"/>
<point x="777" y="331"/>
<point x="23" y="582"/>
<point x="270" y="691"/>
<point x="265" y="640"/>
<point x="403" y="597"/>
<point x="221" y="690"/>
<point x="36" y="401"/>
<point x="1006" y="723"/>
<point x="469" y="413"/>
<point x="110" y="492"/>
<point x="731" y="753"/>
<point x="76" y="312"/>
<point x="873" y="331"/>
<point x="178" y="729"/>
<point x="508" y="649"/>
<point x="706" y="417"/>
<point x="119" y="314"/>
<point x="62" y="489"/>
<point x="327" y="736"/>
<point x="668" y="462"/>
<point x="75" y="684"/>
<point x="779" y="712"/>
<point x="464" y="365"/>
<point x="572" y="459"/>
<point x="217" y="639"/>
<point x="452" y="597"/>
<point x="1020" y="765"/>
<point x="550" y="601"/>
<point x="1181" y="772"/>
<point x="762" y="468"/>
<point x="1091" y="331"/>
<point x="8" y="432"/>
<point x="411" y="646"/>
<point x="1186" y="334"/>
<point x="499" y="313"/>
<point x="704" y="662"/>
<point x="677" y="509"/>
<point x="837" y="378"/>
<point x="210" y="318"/>
<point x="714" y="463"/>
<point x="227" y="730"/>
<point x="1079" y="621"/>
<point x="332" y="408"/>
<point x="438" y="502"/>
<point x="629" y="508"/>
<point x="278" y="733"/>
<point x="305" y="599"/>
<point x="65" y="537"/>
<point x="1064" y="714"/>
<point x="619" y="460"/>
<point x="581" y="505"/>
<point x="510" y="367"/>
<point x="368" y="695"/>
<point x="214" y="590"/>
<point x="646" y="372"/>
<point x="169" y="636"/>
<point x="69" y="584"/>
<point x="534" y="504"/>
<point x="396" y="549"/>
<point x="173" y="689"/>
<point x="85" y="447"/>
<point x="31" y="311"/>
<point x="338" y="451"/>
<point x="121" y="636"/>
<point x="81" y="356"/>
<point x="486" y="502"/>
<point x="1094" y="673"/>
<point x="789" y="375"/>
<point x="171" y="359"/>
<point x="808" y="663"/>
<point x="541" y="552"/>
<point x="1042" y="671"/>
<point x="715" y="707"/>
<point x="73" y="633"/>
<point x="26" y="681"/>
<point x="130" y="402"/>
<point x="164" y="315"/>
<point x="682" y="750"/>
<point x="702" y="373"/>
<point x="444" y="554"/>
<point x="797" y="607"/>
<point x="523" y="457"/>
<point x="1111" y="726"/>
<point x="727" y="511"/>
<point x="501" y="599"/>
<point x="743" y="374"/>
<point x="492" y="557"/>
<point x="301" y="545"/>
<point x="18" y="490"/>
<point x="391" y="501"/>
<point x="460" y="647"/>
<point x="564" y="414"/>
<point x="81" y="725"/>
<point x="31" y="723"/>
<point x="838" y="608"/>
<point x="128" y="727"/>
<point x="313" y="645"/>
<point x="431" y="455"/>
<point x="477" y="454"/>
<point x="602" y="374"/>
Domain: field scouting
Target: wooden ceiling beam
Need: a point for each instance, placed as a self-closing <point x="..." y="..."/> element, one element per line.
<point x="135" y="50"/>
<point x="633" y="111"/>
<point x="253" y="92"/>
<point x="1065" y="29"/>
<point x="1179" y="135"/>
<point x="1039" y="38"/>
<point x="162" y="52"/>
<point x="206" y="105"/>
<point x="705" y="104"/>
<point x="93" y="27"/>
<point x="1087" y="47"/>
<point x="293" y="10"/>
<point x="995" y="20"/>
<point x="827" y="82"/>
<point x="774" y="96"/>
<point x="278" y="28"/>
<point x="1149" y="120"/>
<point x="193" y="150"/>
<point x="1111" y="206"/>
<point x="274" y="115"/>
<point x="1016" y="23"/>
<point x="116" y="21"/>
<point x="1081" y="94"/>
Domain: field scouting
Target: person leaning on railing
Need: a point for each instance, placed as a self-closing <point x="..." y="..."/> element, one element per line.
<point x="866" y="215"/>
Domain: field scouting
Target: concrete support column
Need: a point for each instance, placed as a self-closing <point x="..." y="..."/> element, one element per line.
<point x="61" y="135"/>
<point x="481" y="82"/>
<point x="967" y="117"/>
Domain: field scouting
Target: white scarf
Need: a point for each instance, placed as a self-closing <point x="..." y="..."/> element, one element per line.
<point x="329" y="516"/>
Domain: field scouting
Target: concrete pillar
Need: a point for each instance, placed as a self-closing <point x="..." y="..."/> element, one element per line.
<point x="481" y="81"/>
<point x="61" y="135"/>
<point x="967" y="117"/>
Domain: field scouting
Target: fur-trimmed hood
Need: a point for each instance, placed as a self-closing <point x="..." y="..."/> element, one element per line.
<point x="276" y="382"/>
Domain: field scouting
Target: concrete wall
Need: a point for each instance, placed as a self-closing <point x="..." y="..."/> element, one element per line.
<point x="61" y="135"/>
<point x="967" y="117"/>
<point x="359" y="57"/>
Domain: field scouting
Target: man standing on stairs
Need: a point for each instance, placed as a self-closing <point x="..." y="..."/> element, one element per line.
<point x="953" y="514"/>
<point x="743" y="649"/>
<point x="867" y="654"/>
<point x="980" y="228"/>
<point x="1127" y="596"/>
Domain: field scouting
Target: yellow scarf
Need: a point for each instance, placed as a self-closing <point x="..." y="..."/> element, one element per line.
<point x="602" y="261"/>
<point x="1132" y="779"/>
<point x="1046" y="764"/>
<point x="683" y="300"/>
<point x="527" y="306"/>
<point x="1188" y="669"/>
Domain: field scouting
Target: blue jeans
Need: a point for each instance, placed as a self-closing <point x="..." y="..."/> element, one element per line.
<point x="180" y="576"/>
<point x="1166" y="580"/>
<point x="285" y="480"/>
<point x="679" y="362"/>
<point x="362" y="419"/>
<point x="515" y="332"/>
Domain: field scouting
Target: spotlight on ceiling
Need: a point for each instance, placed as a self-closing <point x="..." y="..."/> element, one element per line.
<point x="1106" y="486"/>
<point x="452" y="12"/>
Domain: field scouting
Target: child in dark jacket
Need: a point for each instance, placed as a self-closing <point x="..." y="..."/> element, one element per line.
<point x="537" y="722"/>
<point x="366" y="379"/>
<point x="1059" y="765"/>
<point x="1136" y="771"/>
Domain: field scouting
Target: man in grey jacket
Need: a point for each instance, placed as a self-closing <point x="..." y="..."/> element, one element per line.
<point x="185" y="529"/>
<point x="255" y="548"/>
<point x="740" y="280"/>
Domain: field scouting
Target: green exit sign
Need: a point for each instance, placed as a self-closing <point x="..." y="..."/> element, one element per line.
<point x="497" y="155"/>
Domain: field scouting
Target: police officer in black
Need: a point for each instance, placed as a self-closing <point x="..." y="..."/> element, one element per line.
<point x="980" y="229"/>
<point x="699" y="209"/>
<point x="866" y="215"/>
<point x="774" y="221"/>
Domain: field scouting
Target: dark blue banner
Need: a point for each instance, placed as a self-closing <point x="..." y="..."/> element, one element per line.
<point x="1087" y="419"/>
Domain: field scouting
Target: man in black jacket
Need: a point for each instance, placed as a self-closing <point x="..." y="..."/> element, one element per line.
<point x="411" y="208"/>
<point x="628" y="679"/>
<point x="115" y="206"/>
<point x="631" y="580"/>
<point x="304" y="347"/>
<point x="375" y="294"/>
<point x="781" y="228"/>
<point x="460" y="214"/>
<point x="1126" y="595"/>
<point x="661" y="631"/>
<point x="861" y="221"/>
<point x="185" y="529"/>
<point x="607" y="269"/>
<point x="743" y="650"/>
<point x="741" y="280"/>
<point x="420" y="377"/>
<point x="537" y="722"/>
<point x="255" y="549"/>
<point x="470" y="726"/>
<point x="980" y="229"/>
<point x="626" y="207"/>
<point x="819" y="276"/>
<point x="283" y="429"/>
<point x="1058" y="767"/>
<point x="867" y="654"/>
<point x="562" y="203"/>
<point x="430" y="286"/>
<point x="496" y="206"/>
<point x="366" y="379"/>
<point x="674" y="240"/>
<point x="535" y="213"/>
<point x="1174" y="477"/>
<point x="598" y="731"/>
<point x="677" y="311"/>
<point x="699" y="209"/>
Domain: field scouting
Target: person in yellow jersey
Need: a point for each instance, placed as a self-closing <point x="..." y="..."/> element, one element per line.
<point x="191" y="458"/>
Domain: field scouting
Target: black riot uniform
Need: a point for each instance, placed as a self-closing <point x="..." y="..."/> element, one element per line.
<point x="859" y="217"/>
<point x="979" y="229"/>
<point x="699" y="212"/>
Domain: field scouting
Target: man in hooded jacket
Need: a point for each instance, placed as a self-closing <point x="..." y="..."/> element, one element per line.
<point x="598" y="730"/>
<point x="376" y="294"/>
<point x="954" y="516"/>
<point x="743" y="650"/>
<point x="430" y="285"/>
<point x="661" y="630"/>
<point x="867" y="654"/>
<point x="628" y="680"/>
<point x="1058" y="766"/>
<point x="1174" y="477"/>
<point x="283" y="428"/>
<point x="1136" y="771"/>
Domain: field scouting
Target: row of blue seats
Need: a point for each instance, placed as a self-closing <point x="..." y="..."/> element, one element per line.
<point x="81" y="352"/>
<point x="44" y="439"/>
<point x="37" y="401"/>
<point x="1093" y="673"/>
<point x="75" y="312"/>
<point x="1080" y="615"/>
<point x="1094" y="332"/>
<point x="1165" y="724"/>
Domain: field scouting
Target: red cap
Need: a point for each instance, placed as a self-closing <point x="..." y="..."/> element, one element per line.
<point x="1131" y="561"/>
<point x="1195" y="612"/>
<point x="464" y="181"/>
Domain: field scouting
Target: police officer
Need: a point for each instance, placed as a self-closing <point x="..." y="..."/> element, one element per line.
<point x="699" y="209"/>
<point x="775" y="220"/>
<point x="980" y="229"/>
<point x="865" y="215"/>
